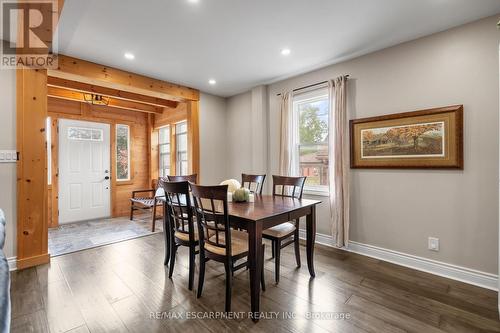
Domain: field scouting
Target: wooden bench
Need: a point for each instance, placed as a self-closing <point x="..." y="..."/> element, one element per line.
<point x="145" y="200"/>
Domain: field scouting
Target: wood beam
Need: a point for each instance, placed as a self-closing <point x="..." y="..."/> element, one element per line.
<point x="116" y="103"/>
<point x="91" y="73"/>
<point x="109" y="92"/>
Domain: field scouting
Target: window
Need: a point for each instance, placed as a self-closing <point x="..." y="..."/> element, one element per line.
<point x="181" y="147"/>
<point x="85" y="134"/>
<point x="311" y="111"/>
<point x="122" y="152"/>
<point x="164" y="151"/>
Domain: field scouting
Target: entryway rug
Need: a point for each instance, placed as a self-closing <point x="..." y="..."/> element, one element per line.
<point x="78" y="236"/>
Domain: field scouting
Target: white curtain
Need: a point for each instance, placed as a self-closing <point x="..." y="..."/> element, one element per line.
<point x="286" y="135"/>
<point x="338" y="137"/>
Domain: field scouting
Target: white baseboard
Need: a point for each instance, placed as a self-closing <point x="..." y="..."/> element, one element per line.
<point x="459" y="273"/>
<point x="12" y="263"/>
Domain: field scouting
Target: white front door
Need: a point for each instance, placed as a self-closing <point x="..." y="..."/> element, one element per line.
<point x="84" y="170"/>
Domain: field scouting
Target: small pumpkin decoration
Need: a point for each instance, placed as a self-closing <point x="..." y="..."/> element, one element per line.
<point x="241" y="195"/>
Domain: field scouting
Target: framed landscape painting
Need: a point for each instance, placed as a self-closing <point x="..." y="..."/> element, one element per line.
<point x="420" y="139"/>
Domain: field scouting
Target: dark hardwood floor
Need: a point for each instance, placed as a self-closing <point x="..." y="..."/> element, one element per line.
<point x="125" y="287"/>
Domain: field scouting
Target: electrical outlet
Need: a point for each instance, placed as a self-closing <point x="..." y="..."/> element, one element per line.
<point x="433" y="244"/>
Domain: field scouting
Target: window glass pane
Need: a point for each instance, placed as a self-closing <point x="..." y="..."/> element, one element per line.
<point x="182" y="147"/>
<point x="122" y="152"/>
<point x="165" y="134"/>
<point x="313" y="163"/>
<point x="182" y="142"/>
<point x="181" y="127"/>
<point x="311" y="110"/>
<point x="184" y="168"/>
<point x="164" y="148"/>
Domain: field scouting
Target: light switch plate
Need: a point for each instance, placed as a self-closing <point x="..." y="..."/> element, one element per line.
<point x="8" y="156"/>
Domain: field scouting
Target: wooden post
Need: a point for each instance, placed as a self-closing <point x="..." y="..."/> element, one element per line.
<point x="32" y="236"/>
<point x="193" y="122"/>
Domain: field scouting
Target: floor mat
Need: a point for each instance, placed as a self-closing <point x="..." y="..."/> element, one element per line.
<point x="78" y="236"/>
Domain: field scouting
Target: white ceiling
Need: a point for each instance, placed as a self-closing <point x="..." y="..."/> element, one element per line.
<point x="238" y="42"/>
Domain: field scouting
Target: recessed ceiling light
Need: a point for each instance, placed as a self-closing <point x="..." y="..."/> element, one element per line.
<point x="193" y="1"/>
<point x="285" y="52"/>
<point x="129" y="56"/>
<point x="212" y="82"/>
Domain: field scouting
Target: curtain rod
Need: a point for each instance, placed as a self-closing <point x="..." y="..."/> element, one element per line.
<point x="312" y="85"/>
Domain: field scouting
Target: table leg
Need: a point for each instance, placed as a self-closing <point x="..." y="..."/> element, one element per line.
<point x="166" y="233"/>
<point x="255" y="265"/>
<point x="311" y="237"/>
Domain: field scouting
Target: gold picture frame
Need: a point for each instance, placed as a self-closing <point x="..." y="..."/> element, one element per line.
<point x="431" y="138"/>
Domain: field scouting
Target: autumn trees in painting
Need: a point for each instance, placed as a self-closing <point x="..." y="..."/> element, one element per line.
<point x="415" y="139"/>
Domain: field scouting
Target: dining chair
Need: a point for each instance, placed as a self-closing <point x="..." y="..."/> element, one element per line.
<point x="190" y="178"/>
<point x="218" y="241"/>
<point x="181" y="227"/>
<point x="292" y="187"/>
<point x="249" y="181"/>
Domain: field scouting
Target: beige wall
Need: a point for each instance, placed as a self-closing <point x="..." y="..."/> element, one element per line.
<point x="239" y="135"/>
<point x="8" y="170"/>
<point x="213" y="132"/>
<point x="400" y="209"/>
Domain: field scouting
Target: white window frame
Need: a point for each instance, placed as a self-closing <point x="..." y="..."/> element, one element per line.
<point x="316" y="94"/>
<point x="128" y="152"/>
<point x="178" y="160"/>
<point x="160" y="168"/>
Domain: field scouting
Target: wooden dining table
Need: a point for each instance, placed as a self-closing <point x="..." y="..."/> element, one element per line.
<point x="265" y="212"/>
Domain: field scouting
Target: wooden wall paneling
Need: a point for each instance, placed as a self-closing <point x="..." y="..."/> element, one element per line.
<point x="91" y="73"/>
<point x="54" y="193"/>
<point x="137" y="121"/>
<point x="114" y="187"/>
<point x="155" y="154"/>
<point x="32" y="210"/>
<point x="193" y="119"/>
<point x="171" y="116"/>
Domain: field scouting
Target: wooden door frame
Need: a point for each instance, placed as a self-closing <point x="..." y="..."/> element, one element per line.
<point x="31" y="110"/>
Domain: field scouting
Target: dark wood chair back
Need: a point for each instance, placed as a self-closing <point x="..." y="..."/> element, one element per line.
<point x="255" y="182"/>
<point x="288" y="186"/>
<point x="179" y="208"/>
<point x="188" y="178"/>
<point x="213" y="221"/>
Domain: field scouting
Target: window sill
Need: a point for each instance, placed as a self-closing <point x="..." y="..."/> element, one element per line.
<point x="124" y="182"/>
<point x="316" y="193"/>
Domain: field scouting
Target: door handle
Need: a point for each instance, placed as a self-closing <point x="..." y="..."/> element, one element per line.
<point x="106" y="178"/>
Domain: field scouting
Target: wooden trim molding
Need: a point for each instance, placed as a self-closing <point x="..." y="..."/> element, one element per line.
<point x="94" y="74"/>
<point x="33" y="261"/>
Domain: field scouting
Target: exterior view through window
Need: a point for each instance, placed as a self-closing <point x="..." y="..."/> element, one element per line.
<point x="122" y="152"/>
<point x="311" y="117"/>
